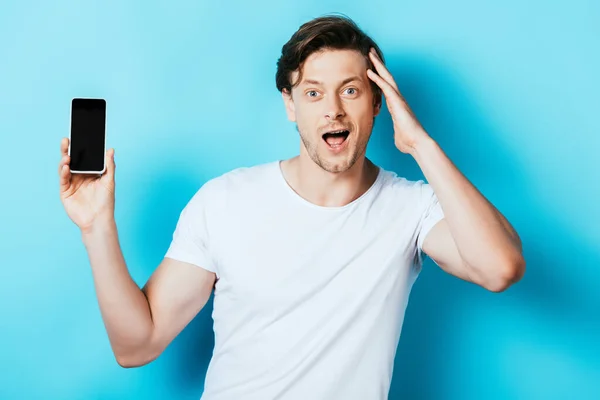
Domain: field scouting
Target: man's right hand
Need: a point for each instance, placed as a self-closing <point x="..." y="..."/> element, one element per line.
<point x="86" y="198"/>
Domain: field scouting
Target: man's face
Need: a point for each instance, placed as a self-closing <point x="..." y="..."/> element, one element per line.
<point x="334" y="95"/>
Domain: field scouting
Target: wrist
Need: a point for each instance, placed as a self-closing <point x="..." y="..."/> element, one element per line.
<point x="102" y="225"/>
<point x="421" y="147"/>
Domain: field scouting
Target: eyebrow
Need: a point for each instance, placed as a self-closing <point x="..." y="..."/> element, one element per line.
<point x="315" y="82"/>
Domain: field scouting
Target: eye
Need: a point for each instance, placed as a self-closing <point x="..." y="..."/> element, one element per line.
<point x="312" y="93"/>
<point x="351" y="91"/>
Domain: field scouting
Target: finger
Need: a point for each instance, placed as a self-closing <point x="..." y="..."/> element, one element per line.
<point x="110" y="165"/>
<point x="64" y="160"/>
<point x="382" y="70"/>
<point x="389" y="92"/>
<point x="64" y="146"/>
<point x="64" y="177"/>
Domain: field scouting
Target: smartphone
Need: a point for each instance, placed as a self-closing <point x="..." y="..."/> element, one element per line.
<point x="87" y="142"/>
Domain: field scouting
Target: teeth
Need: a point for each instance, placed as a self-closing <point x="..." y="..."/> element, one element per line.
<point x="336" y="132"/>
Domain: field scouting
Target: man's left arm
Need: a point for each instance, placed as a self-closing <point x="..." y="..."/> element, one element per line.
<point x="473" y="241"/>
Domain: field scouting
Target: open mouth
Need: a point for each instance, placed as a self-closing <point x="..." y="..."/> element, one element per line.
<point x="335" y="139"/>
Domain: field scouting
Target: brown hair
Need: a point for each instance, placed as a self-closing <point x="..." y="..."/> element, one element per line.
<point x="336" y="32"/>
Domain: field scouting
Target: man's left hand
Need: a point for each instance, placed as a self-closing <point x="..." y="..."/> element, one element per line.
<point x="408" y="132"/>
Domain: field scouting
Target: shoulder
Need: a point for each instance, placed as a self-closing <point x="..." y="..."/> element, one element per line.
<point x="242" y="177"/>
<point x="235" y="182"/>
<point x="398" y="185"/>
<point x="413" y="194"/>
<point x="249" y="176"/>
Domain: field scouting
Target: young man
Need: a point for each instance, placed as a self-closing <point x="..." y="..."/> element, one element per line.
<point x="312" y="259"/>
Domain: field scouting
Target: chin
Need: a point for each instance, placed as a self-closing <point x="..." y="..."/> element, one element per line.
<point x="335" y="164"/>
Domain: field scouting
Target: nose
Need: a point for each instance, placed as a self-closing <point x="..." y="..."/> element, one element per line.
<point x="335" y="109"/>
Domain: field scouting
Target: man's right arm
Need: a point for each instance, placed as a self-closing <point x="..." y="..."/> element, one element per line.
<point x="142" y="322"/>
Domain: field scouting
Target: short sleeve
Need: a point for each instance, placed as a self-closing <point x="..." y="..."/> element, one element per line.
<point x="432" y="213"/>
<point x="190" y="242"/>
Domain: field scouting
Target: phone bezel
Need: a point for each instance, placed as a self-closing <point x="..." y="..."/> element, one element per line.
<point x="71" y="131"/>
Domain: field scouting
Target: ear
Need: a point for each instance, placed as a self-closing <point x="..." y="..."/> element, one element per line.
<point x="376" y="109"/>
<point x="288" y="101"/>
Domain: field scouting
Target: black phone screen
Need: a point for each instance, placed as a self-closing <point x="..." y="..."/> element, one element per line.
<point x="88" y="135"/>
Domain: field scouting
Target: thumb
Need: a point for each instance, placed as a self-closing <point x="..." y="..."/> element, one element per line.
<point x="110" y="165"/>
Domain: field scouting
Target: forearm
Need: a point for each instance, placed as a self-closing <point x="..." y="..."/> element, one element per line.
<point x="124" y="307"/>
<point x="485" y="239"/>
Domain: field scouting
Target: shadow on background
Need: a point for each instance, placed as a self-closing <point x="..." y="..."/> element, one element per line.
<point x="427" y="364"/>
<point x="186" y="359"/>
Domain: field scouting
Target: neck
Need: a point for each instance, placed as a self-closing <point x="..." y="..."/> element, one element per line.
<point x="328" y="189"/>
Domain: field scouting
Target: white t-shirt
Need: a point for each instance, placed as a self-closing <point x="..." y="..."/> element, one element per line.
<point x="309" y="300"/>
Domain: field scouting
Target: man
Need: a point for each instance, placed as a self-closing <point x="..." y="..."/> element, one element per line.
<point x="312" y="259"/>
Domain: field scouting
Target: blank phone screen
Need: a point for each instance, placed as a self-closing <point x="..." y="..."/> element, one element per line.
<point x="88" y="121"/>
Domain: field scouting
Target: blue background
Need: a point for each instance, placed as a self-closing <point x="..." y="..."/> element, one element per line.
<point x="510" y="91"/>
